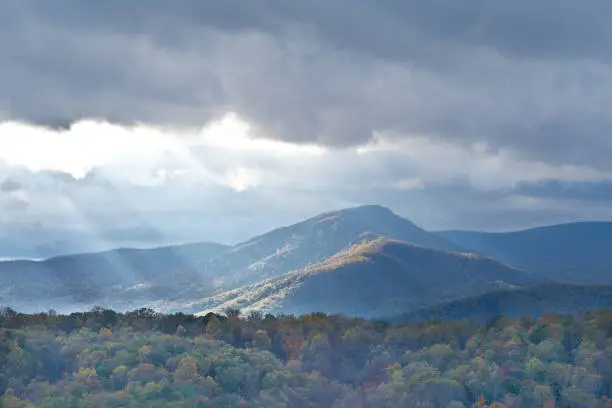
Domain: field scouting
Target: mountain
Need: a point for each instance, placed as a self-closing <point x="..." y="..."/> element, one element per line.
<point x="128" y="278"/>
<point x="378" y="277"/>
<point x="310" y="242"/>
<point x="119" y="278"/>
<point x="534" y="301"/>
<point x="364" y="261"/>
<point x="579" y="253"/>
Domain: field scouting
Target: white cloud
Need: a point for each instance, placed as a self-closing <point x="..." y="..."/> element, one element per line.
<point x="224" y="153"/>
<point x="85" y="146"/>
<point x="297" y="75"/>
<point x="241" y="179"/>
<point x="437" y="162"/>
<point x="144" y="155"/>
<point x="229" y="112"/>
<point x="220" y="183"/>
<point x="231" y="133"/>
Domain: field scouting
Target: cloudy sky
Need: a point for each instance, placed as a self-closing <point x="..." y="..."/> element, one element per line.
<point x="140" y="122"/>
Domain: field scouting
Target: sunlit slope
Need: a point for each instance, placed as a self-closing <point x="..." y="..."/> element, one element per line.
<point x="310" y="242"/>
<point x="375" y="278"/>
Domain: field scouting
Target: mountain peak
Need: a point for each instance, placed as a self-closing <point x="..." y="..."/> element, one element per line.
<point x="377" y="220"/>
<point x="370" y="211"/>
<point x="371" y="208"/>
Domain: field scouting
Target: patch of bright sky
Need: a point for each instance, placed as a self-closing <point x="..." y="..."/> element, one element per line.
<point x="83" y="147"/>
<point x="232" y="133"/>
<point x="138" y="150"/>
<point x="141" y="153"/>
<point x="144" y="155"/>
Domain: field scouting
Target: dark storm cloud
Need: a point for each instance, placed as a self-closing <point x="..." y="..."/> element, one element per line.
<point x="531" y="76"/>
<point x="387" y="27"/>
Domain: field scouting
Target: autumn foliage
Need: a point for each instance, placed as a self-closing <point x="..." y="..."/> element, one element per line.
<point x="105" y="359"/>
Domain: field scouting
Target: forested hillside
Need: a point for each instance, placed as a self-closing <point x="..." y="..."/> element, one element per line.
<point x="532" y="301"/>
<point x="143" y="359"/>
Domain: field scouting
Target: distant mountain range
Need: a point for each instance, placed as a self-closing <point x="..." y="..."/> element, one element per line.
<point x="121" y="278"/>
<point x="579" y="253"/>
<point x="364" y="261"/>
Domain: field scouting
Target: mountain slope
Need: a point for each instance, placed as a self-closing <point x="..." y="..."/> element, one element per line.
<point x="578" y="253"/>
<point x="310" y="242"/>
<point x="135" y="278"/>
<point x="114" y="277"/>
<point x="379" y="277"/>
<point x="533" y="301"/>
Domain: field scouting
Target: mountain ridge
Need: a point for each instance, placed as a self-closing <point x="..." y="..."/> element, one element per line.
<point x="311" y="241"/>
<point x="120" y="276"/>
<point x="579" y="253"/>
<point x="367" y="256"/>
<point x="371" y="277"/>
<point x="165" y="274"/>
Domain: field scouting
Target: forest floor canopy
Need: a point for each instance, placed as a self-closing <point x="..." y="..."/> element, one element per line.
<point x="145" y="359"/>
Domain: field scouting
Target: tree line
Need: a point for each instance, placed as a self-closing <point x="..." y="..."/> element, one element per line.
<point x="141" y="358"/>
